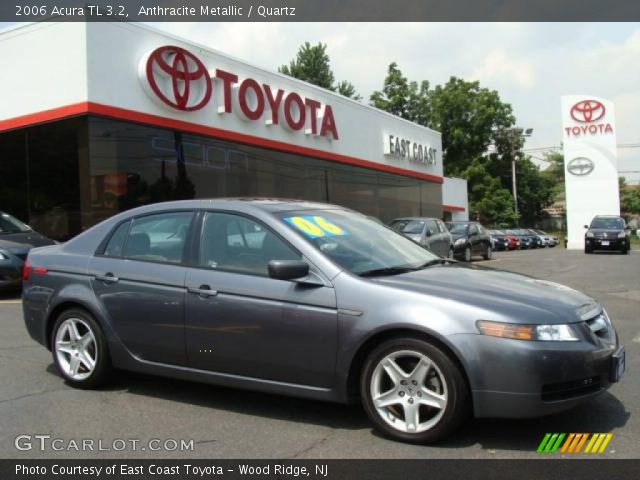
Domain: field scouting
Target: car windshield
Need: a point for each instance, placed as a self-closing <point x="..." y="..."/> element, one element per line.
<point x="9" y="224"/>
<point x="358" y="244"/>
<point x="408" y="226"/>
<point x="458" y="228"/>
<point x="607" y="223"/>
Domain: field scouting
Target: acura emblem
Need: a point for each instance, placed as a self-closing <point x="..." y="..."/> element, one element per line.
<point x="580" y="166"/>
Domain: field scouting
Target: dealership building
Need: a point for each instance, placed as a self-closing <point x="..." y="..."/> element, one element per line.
<point x="97" y="118"/>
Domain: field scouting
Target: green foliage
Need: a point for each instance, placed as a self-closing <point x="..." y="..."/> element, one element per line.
<point x="489" y="202"/>
<point x="312" y="64"/>
<point x="470" y="118"/>
<point x="346" y="89"/>
<point x="555" y="174"/>
<point x="629" y="197"/>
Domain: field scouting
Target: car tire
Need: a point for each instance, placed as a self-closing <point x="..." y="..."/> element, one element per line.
<point x="450" y="254"/>
<point x="441" y="400"/>
<point x="587" y="250"/>
<point x="488" y="253"/>
<point x="467" y="254"/>
<point x="80" y="350"/>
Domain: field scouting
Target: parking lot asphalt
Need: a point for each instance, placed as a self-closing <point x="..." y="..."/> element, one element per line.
<point x="227" y="423"/>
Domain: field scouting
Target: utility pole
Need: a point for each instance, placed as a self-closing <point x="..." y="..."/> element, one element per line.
<point x="516" y="133"/>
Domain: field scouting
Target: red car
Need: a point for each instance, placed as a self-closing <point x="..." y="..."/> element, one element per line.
<point x="513" y="242"/>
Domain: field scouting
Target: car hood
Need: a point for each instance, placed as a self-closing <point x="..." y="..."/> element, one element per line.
<point x="23" y="242"/>
<point x="608" y="231"/>
<point x="518" y="298"/>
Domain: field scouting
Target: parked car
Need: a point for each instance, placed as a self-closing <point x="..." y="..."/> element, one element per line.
<point x="16" y="239"/>
<point x="542" y="240"/>
<point x="347" y="309"/>
<point x="469" y="239"/>
<point x="416" y="362"/>
<point x="607" y="233"/>
<point x="428" y="232"/>
<point x="549" y="240"/>
<point x="526" y="241"/>
<point x="499" y="240"/>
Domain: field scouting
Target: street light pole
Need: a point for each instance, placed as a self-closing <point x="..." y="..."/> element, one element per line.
<point x="517" y="133"/>
<point x="515" y="191"/>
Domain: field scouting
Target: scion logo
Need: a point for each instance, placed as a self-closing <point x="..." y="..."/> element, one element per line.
<point x="580" y="166"/>
<point x="587" y="111"/>
<point x="178" y="78"/>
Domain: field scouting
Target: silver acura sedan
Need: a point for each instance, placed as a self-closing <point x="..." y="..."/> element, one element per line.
<point x="315" y="301"/>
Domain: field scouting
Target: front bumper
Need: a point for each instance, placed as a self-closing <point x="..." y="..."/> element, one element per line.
<point x="610" y="243"/>
<point x="522" y="379"/>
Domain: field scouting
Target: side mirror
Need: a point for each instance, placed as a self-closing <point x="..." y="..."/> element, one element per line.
<point x="628" y="227"/>
<point x="586" y="226"/>
<point x="288" y="269"/>
<point x="429" y="233"/>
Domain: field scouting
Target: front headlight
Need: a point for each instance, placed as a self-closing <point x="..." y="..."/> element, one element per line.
<point x="589" y="235"/>
<point x="622" y="235"/>
<point x="545" y="333"/>
<point x="460" y="241"/>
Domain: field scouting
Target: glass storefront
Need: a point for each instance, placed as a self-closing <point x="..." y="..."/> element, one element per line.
<point x="65" y="176"/>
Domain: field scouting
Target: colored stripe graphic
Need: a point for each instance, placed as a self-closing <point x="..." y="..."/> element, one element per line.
<point x="550" y="443"/>
<point x="573" y="442"/>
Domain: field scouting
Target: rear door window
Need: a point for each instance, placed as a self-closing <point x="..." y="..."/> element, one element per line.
<point x="115" y="247"/>
<point x="158" y="238"/>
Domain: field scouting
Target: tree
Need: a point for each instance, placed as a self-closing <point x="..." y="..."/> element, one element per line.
<point x="489" y="202"/>
<point x="629" y="197"/>
<point x="312" y="64"/>
<point x="470" y="118"/>
<point x="555" y="174"/>
<point x="346" y="89"/>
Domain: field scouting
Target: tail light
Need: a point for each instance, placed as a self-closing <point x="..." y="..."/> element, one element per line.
<point x="25" y="270"/>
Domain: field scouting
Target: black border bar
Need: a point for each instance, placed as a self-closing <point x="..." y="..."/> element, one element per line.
<point x="320" y="10"/>
<point x="543" y="468"/>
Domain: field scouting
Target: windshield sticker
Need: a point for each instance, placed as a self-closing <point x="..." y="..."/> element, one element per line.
<point x="315" y="227"/>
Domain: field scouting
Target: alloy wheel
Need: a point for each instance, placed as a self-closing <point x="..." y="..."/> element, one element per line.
<point x="408" y="391"/>
<point x="76" y="349"/>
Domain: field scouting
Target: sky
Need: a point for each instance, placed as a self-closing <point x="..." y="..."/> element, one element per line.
<point x="531" y="65"/>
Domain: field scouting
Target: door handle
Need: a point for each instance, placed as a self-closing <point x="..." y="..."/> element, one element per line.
<point x="203" y="291"/>
<point x="107" y="278"/>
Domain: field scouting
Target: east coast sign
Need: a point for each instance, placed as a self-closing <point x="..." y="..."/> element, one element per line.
<point x="177" y="79"/>
<point x="408" y="149"/>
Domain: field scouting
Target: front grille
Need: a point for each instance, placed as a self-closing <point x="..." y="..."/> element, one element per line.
<point x="554" y="392"/>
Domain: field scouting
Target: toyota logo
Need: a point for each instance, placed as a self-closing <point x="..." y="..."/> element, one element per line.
<point x="580" y="166"/>
<point x="587" y="111"/>
<point x="178" y="78"/>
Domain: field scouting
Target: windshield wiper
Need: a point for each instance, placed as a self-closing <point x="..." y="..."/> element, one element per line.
<point x="385" y="271"/>
<point x="435" y="261"/>
<point x="398" y="270"/>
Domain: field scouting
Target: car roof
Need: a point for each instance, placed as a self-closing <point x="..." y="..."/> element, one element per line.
<point x="241" y="203"/>
<point x="414" y="218"/>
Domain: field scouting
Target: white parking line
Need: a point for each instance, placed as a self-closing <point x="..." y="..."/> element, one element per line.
<point x="10" y="302"/>
<point x="636" y="339"/>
